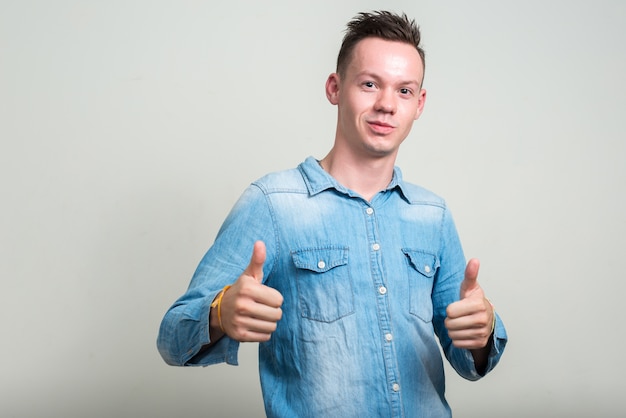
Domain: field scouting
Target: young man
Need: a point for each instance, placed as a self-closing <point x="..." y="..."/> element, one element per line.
<point x="353" y="271"/>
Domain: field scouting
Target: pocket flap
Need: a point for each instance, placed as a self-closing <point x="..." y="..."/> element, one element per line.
<point x="320" y="260"/>
<point x="422" y="261"/>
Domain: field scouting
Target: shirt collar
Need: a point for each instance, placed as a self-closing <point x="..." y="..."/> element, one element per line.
<point x="317" y="180"/>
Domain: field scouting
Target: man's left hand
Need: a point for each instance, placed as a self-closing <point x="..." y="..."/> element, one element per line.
<point x="470" y="320"/>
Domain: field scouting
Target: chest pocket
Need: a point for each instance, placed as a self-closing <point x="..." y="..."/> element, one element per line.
<point x="421" y="269"/>
<point x="324" y="283"/>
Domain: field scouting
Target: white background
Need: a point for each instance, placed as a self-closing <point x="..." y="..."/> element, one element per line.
<point x="129" y="128"/>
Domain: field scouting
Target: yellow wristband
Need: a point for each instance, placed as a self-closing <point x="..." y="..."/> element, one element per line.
<point x="493" y="324"/>
<point x="218" y="303"/>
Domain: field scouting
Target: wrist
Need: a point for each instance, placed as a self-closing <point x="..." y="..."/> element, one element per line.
<point x="493" y="315"/>
<point x="216" y="308"/>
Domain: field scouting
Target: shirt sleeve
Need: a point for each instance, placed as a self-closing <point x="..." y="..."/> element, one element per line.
<point x="447" y="291"/>
<point x="184" y="330"/>
<point x="463" y="362"/>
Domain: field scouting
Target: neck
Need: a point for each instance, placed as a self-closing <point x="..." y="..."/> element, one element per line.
<point x="366" y="177"/>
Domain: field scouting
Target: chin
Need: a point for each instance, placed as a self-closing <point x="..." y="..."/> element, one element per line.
<point x="378" y="152"/>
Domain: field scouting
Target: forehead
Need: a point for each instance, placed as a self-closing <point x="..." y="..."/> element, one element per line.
<point x="384" y="57"/>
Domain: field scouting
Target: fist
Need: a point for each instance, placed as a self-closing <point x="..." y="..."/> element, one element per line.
<point x="470" y="320"/>
<point x="250" y="310"/>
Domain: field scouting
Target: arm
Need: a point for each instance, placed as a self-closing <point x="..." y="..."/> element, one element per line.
<point x="189" y="334"/>
<point x="471" y="333"/>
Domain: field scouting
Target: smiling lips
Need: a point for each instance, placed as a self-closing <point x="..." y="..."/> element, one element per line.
<point x="380" y="128"/>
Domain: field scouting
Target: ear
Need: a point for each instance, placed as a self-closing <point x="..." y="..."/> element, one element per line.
<point x="420" y="104"/>
<point x="332" y="88"/>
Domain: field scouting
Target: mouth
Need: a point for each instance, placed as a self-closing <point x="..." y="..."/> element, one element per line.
<point x="380" y="127"/>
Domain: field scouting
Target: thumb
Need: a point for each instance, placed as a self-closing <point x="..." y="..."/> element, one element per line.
<point x="255" y="268"/>
<point x="470" y="282"/>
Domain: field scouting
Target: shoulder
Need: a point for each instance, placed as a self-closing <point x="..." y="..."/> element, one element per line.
<point x="418" y="195"/>
<point x="289" y="180"/>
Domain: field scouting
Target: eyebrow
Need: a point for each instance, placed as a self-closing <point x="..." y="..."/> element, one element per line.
<point x="377" y="77"/>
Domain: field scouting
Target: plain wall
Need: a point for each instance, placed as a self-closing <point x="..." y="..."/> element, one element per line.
<point x="129" y="128"/>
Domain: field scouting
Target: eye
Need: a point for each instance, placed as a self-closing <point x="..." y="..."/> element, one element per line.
<point x="369" y="84"/>
<point x="405" y="91"/>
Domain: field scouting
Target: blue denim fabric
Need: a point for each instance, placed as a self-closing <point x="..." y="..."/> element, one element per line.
<point x="365" y="287"/>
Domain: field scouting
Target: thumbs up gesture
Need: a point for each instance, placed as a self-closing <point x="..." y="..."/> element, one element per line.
<point x="470" y="320"/>
<point x="249" y="310"/>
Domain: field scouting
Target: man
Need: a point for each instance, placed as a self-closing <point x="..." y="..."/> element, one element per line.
<point x="353" y="270"/>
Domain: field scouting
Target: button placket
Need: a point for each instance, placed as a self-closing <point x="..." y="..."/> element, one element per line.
<point x="375" y="249"/>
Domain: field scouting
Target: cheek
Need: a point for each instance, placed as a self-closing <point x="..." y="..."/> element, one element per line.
<point x="410" y="113"/>
<point x="352" y="111"/>
<point x="359" y="103"/>
<point x="407" y="121"/>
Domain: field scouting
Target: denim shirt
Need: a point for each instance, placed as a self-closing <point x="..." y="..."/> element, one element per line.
<point x="365" y="287"/>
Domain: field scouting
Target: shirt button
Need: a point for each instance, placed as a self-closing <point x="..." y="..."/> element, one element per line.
<point x="321" y="264"/>
<point x="369" y="211"/>
<point x="382" y="290"/>
<point x="395" y="387"/>
<point x="427" y="268"/>
<point x="388" y="337"/>
<point x="376" y="247"/>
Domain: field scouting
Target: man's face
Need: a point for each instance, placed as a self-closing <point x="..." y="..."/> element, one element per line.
<point x="378" y="97"/>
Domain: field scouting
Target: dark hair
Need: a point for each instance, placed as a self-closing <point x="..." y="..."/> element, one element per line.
<point x="378" y="24"/>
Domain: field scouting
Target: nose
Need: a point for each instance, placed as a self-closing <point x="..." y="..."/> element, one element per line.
<point x="385" y="102"/>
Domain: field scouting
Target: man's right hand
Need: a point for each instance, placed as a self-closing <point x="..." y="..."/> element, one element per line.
<point x="250" y="310"/>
